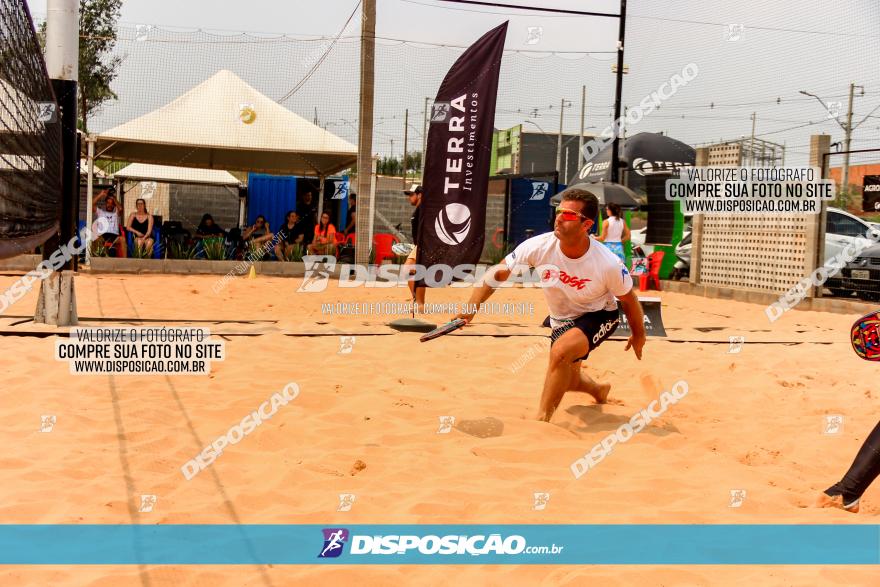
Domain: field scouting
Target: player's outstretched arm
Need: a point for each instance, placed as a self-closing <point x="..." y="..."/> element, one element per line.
<point x="632" y="308"/>
<point x="494" y="277"/>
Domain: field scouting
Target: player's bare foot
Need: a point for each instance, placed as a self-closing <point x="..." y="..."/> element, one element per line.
<point x="600" y="392"/>
<point x="826" y="501"/>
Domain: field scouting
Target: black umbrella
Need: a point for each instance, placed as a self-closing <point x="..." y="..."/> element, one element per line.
<point x="607" y="193"/>
<point x="645" y="154"/>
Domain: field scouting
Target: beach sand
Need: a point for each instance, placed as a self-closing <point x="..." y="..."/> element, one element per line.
<point x="752" y="421"/>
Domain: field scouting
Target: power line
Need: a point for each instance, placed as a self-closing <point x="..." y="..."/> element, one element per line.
<point x="559" y="11"/>
<point x="322" y="58"/>
<point x="533" y="8"/>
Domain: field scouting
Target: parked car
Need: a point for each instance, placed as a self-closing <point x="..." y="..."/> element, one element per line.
<point x="859" y="276"/>
<point x="843" y="228"/>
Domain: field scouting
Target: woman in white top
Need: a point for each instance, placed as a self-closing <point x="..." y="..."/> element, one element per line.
<point x="615" y="232"/>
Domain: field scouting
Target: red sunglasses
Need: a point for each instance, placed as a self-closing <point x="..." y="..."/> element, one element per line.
<point x="569" y="214"/>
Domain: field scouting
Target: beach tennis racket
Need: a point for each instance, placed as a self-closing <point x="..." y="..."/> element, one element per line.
<point x="402" y="249"/>
<point x="444" y="329"/>
<point x="865" y="336"/>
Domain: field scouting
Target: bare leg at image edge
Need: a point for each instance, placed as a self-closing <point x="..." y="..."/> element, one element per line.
<point x="845" y="494"/>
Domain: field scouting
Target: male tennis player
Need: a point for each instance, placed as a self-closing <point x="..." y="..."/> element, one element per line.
<point x="581" y="295"/>
<point x="846" y="493"/>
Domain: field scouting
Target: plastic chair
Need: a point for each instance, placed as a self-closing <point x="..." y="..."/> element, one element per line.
<point x="655" y="259"/>
<point x="338" y="241"/>
<point x="351" y="238"/>
<point x="382" y="246"/>
<point x="129" y="239"/>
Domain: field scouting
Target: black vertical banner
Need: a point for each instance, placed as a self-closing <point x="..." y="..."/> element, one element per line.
<point x="456" y="181"/>
<point x="871" y="193"/>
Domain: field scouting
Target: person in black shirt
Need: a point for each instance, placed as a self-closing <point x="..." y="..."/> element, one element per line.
<point x="209" y="228"/>
<point x="351" y="228"/>
<point x="290" y="234"/>
<point x="417" y="289"/>
<point x="307" y="209"/>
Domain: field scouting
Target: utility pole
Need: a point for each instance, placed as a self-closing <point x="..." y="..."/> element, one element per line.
<point x="566" y="164"/>
<point x="615" y="147"/>
<point x="581" y="137"/>
<point x="405" y="139"/>
<point x="752" y="142"/>
<point x="559" y="139"/>
<point x="365" y="166"/>
<point x="848" y="128"/>
<point x="847" y="139"/>
<point x="424" y="140"/>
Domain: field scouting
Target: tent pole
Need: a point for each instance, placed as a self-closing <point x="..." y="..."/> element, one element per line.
<point x="90" y="186"/>
<point x="320" y="197"/>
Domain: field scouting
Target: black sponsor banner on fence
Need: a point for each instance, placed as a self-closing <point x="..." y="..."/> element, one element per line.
<point x="653" y="320"/>
<point x="871" y="193"/>
<point x="453" y="215"/>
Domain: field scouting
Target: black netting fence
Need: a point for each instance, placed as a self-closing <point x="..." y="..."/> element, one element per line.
<point x="761" y="79"/>
<point x="30" y="139"/>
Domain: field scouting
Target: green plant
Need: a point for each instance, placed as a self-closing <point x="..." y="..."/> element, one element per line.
<point x="215" y="249"/>
<point x="141" y="251"/>
<point x="292" y="254"/>
<point x="98" y="248"/>
<point x="254" y="251"/>
<point x="179" y="250"/>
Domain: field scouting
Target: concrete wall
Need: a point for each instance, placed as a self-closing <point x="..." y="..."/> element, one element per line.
<point x="393" y="207"/>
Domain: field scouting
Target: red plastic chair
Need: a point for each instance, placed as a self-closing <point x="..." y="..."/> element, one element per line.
<point x="655" y="259"/>
<point x="351" y="238"/>
<point x="382" y="246"/>
<point x="339" y="241"/>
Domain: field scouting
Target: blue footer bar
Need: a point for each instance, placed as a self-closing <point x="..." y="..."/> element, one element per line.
<point x="482" y="544"/>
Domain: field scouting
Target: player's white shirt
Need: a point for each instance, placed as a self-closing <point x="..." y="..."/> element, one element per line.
<point x="587" y="284"/>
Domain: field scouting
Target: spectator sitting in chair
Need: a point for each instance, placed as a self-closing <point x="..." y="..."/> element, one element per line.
<point x="325" y="237"/>
<point x="259" y="233"/>
<point x="140" y="224"/>
<point x="208" y="228"/>
<point x="291" y="233"/>
<point x="112" y="215"/>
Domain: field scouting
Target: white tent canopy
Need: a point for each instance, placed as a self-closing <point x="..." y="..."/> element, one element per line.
<point x="223" y="123"/>
<point x="169" y="174"/>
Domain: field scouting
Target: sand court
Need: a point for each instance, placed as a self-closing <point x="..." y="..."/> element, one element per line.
<point x="748" y="444"/>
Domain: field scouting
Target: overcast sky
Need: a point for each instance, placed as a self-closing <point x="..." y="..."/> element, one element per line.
<point x="782" y="47"/>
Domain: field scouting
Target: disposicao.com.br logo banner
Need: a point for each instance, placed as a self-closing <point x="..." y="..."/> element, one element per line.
<point x="411" y="544"/>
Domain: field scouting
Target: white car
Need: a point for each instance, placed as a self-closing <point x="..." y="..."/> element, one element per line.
<point x="843" y="228"/>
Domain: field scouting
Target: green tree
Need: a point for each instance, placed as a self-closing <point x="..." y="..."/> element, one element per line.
<point x="98" y="67"/>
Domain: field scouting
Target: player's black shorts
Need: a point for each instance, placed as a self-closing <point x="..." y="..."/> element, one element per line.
<point x="596" y="326"/>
